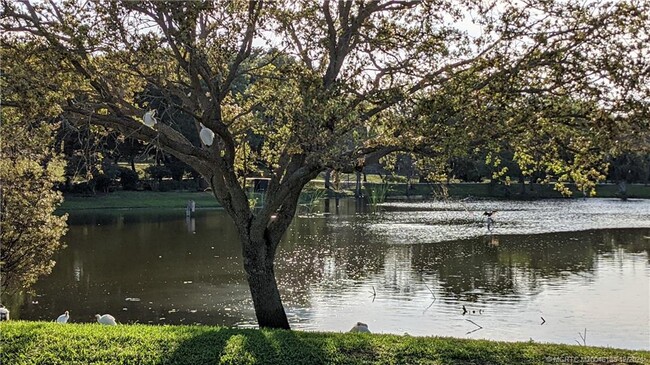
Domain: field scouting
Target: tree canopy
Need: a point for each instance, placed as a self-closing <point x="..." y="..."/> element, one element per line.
<point x="331" y="84"/>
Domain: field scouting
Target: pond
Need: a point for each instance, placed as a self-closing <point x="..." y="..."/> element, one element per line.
<point x="547" y="271"/>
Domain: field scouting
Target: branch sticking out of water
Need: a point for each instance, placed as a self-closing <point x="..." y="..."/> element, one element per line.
<point x="434" y="300"/>
<point x="479" y="327"/>
<point x="474" y="323"/>
<point x="584" y="338"/>
<point x="432" y="293"/>
<point x="374" y="294"/>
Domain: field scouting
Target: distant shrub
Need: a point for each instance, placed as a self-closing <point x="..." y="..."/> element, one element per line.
<point x="110" y="169"/>
<point x="129" y="179"/>
<point x="158" y="172"/>
<point x="176" y="168"/>
<point x="101" y="183"/>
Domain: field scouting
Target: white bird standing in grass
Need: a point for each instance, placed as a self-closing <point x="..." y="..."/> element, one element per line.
<point x="149" y="119"/>
<point x="4" y="313"/>
<point x="106" y="319"/>
<point x="360" y="327"/>
<point x="207" y="135"/>
<point x="63" y="318"/>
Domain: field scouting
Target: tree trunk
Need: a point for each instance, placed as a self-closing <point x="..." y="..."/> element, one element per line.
<point x="258" y="263"/>
<point x="408" y="184"/>
<point x="260" y="234"/>
<point x="357" y="190"/>
<point x="647" y="176"/>
<point x="328" y="174"/>
<point x="622" y="190"/>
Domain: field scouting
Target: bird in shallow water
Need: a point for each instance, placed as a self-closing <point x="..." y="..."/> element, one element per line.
<point x="63" y="318"/>
<point x="490" y="221"/>
<point x="360" y="327"/>
<point x="106" y="319"/>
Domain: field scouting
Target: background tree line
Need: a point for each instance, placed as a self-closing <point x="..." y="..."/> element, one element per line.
<point x="100" y="162"/>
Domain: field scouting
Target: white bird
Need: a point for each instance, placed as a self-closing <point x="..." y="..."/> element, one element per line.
<point x="149" y="119"/>
<point x="63" y="318"/>
<point x="106" y="319"/>
<point x="360" y="327"/>
<point x="4" y="313"/>
<point x="207" y="135"/>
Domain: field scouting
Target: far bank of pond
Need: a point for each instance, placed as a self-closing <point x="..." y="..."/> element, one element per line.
<point x="548" y="270"/>
<point x="205" y="199"/>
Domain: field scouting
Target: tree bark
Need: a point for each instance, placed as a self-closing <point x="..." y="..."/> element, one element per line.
<point x="328" y="174"/>
<point x="357" y="190"/>
<point x="258" y="264"/>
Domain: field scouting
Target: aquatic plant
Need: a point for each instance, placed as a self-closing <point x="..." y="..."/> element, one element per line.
<point x="376" y="194"/>
<point x="309" y="200"/>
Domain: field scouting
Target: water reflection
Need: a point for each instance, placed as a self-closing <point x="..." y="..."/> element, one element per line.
<point x="573" y="280"/>
<point x="335" y="270"/>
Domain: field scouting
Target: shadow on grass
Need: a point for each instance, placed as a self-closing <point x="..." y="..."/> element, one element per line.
<point x="236" y="346"/>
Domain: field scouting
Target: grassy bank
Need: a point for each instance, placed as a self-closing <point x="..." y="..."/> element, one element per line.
<point x="139" y="199"/>
<point x="51" y="343"/>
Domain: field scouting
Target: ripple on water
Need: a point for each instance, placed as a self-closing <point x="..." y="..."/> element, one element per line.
<point x="450" y="220"/>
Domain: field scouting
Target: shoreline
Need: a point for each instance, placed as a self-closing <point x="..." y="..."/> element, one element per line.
<point x="422" y="192"/>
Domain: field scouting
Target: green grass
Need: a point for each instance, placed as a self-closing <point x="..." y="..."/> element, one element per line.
<point x="26" y="343"/>
<point x="139" y="199"/>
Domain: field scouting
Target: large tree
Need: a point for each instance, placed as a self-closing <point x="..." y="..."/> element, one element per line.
<point x="331" y="84"/>
<point x="30" y="168"/>
<point x="30" y="233"/>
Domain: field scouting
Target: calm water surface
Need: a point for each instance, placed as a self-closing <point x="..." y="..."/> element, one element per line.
<point x="409" y="268"/>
